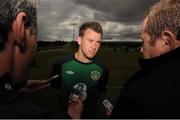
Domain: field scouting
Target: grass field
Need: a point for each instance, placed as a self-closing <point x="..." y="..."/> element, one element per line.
<point x="121" y="64"/>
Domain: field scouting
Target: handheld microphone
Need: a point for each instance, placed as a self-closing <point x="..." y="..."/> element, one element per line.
<point x="52" y="78"/>
<point x="108" y="105"/>
<point x="79" y="90"/>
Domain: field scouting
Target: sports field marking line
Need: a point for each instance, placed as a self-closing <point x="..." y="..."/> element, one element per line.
<point x="46" y="51"/>
<point x="116" y="87"/>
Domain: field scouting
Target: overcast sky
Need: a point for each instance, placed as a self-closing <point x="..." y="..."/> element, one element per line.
<point x="121" y="19"/>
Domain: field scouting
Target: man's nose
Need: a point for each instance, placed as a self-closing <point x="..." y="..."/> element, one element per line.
<point x="94" y="46"/>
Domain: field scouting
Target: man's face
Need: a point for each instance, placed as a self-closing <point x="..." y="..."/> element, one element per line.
<point x="89" y="43"/>
<point x="23" y="61"/>
<point x="148" y="48"/>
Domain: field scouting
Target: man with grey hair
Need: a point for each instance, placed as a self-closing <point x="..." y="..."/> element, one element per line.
<point x="153" y="92"/>
<point x="18" y="43"/>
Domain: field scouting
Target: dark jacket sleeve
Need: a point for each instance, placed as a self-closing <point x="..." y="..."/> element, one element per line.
<point x="56" y="70"/>
<point x="128" y="104"/>
<point x="101" y="86"/>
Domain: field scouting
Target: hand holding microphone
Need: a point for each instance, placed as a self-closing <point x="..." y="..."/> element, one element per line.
<point x="76" y="98"/>
<point x="79" y="90"/>
<point x="108" y="106"/>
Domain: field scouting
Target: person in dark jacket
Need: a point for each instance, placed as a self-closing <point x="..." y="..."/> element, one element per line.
<point x="153" y="92"/>
<point x="18" y="43"/>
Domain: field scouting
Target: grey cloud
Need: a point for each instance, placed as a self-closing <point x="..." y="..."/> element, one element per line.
<point x="125" y="11"/>
<point x="116" y="16"/>
<point x="51" y="14"/>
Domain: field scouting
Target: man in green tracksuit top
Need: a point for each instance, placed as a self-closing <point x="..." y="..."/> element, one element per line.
<point x="82" y="69"/>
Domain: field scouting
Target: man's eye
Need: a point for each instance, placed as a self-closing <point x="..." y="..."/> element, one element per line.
<point x="90" y="40"/>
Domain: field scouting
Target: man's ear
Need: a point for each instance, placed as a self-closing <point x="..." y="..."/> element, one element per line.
<point x="19" y="30"/>
<point x="169" y="39"/>
<point x="79" y="40"/>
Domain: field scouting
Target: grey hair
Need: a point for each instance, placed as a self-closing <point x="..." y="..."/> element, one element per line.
<point x="164" y="15"/>
<point x="9" y="11"/>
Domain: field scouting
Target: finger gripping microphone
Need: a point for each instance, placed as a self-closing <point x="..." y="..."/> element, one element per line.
<point x="79" y="90"/>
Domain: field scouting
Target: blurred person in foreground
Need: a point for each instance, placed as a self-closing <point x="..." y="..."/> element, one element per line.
<point x="153" y="92"/>
<point x="18" y="43"/>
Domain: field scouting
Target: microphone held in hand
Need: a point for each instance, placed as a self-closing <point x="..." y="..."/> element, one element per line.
<point x="79" y="90"/>
<point x="52" y="78"/>
<point x="108" y="105"/>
